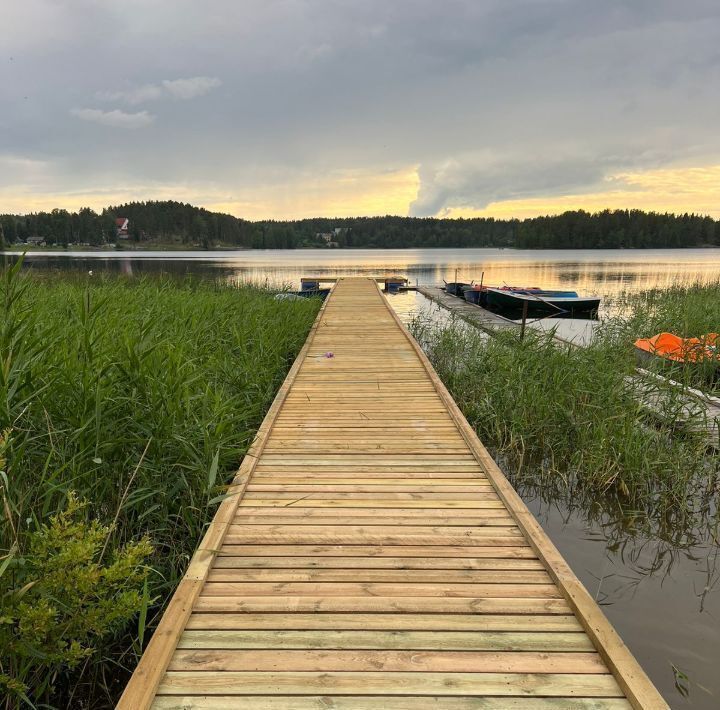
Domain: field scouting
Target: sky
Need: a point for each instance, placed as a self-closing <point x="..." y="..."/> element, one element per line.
<point x="296" y="108"/>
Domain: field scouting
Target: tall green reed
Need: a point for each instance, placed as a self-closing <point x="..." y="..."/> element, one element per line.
<point x="571" y="417"/>
<point x="688" y="310"/>
<point x="140" y="397"/>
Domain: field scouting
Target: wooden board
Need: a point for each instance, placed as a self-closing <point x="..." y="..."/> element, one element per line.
<point x="375" y="557"/>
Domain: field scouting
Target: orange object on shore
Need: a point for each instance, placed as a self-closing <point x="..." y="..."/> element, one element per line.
<point x="682" y="350"/>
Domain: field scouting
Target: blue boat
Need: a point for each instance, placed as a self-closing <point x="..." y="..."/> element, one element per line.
<point x="455" y="288"/>
<point x="541" y="292"/>
<point x="540" y="302"/>
<point x="304" y="293"/>
<point x="472" y="295"/>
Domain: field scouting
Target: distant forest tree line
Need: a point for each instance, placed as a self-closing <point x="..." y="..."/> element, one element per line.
<point x="164" y="223"/>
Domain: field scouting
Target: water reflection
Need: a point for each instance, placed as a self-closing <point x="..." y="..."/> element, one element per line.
<point x="658" y="582"/>
<point x="605" y="272"/>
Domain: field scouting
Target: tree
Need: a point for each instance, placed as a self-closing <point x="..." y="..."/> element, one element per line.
<point x="200" y="232"/>
<point x="165" y="221"/>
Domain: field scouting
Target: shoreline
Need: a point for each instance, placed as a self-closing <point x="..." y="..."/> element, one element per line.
<point x="59" y="251"/>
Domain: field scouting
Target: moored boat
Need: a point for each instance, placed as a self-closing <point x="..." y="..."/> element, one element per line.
<point x="539" y="301"/>
<point x="477" y="293"/>
<point x="455" y="288"/>
<point x="304" y="293"/>
<point x="671" y="349"/>
<point x="472" y="294"/>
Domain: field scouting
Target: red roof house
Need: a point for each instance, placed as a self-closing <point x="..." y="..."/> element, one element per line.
<point x="122" y="225"/>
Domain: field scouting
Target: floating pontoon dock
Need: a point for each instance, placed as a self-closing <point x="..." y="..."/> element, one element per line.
<point x="387" y="279"/>
<point x="372" y="555"/>
<point x="470" y="312"/>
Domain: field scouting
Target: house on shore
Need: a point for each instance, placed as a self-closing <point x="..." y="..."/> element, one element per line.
<point x="122" y="227"/>
<point x="327" y="237"/>
<point x="330" y="238"/>
<point x="36" y="241"/>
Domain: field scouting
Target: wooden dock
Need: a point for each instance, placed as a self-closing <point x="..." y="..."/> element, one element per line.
<point x="481" y="317"/>
<point x="667" y="400"/>
<point x="372" y="555"/>
<point x="475" y="315"/>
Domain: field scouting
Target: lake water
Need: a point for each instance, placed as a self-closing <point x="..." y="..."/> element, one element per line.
<point x="604" y="272"/>
<point x="662" y="592"/>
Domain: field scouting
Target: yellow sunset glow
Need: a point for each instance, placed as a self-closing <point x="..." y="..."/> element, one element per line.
<point x="332" y="194"/>
<point x="350" y="193"/>
<point x="676" y="190"/>
<point x="368" y="193"/>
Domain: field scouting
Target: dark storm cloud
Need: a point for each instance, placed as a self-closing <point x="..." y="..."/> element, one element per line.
<point x="491" y="99"/>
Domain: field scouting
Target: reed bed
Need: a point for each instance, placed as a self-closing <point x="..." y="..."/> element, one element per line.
<point x="125" y="407"/>
<point x="688" y="310"/>
<point x="570" y="418"/>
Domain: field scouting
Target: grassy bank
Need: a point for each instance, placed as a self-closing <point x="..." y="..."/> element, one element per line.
<point x="125" y="406"/>
<point x="568" y="419"/>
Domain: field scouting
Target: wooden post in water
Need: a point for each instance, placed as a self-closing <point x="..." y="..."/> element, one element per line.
<point x="524" y="319"/>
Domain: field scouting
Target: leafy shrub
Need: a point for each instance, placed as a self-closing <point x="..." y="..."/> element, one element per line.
<point x="65" y="597"/>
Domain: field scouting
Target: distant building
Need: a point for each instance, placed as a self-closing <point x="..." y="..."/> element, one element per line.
<point x="36" y="241"/>
<point x="330" y="238"/>
<point x="122" y="227"/>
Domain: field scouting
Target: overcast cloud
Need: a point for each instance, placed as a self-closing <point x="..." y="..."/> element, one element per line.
<point x="269" y="108"/>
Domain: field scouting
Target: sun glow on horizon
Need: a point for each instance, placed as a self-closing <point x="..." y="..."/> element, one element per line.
<point x="677" y="190"/>
<point x="355" y="193"/>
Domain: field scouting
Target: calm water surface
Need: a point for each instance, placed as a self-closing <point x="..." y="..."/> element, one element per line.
<point x="661" y="591"/>
<point x="604" y="272"/>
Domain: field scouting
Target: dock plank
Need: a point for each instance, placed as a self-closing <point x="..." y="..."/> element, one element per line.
<point x="374" y="557"/>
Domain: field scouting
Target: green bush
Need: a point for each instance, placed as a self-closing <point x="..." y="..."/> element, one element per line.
<point x="66" y="596"/>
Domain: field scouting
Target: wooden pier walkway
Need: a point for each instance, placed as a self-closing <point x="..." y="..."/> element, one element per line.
<point x="475" y="315"/>
<point x="372" y="555"/>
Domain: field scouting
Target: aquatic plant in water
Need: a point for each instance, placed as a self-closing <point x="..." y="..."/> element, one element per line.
<point x="572" y="416"/>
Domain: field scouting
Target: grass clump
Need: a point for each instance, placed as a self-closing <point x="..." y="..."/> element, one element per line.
<point x="688" y="310"/>
<point x="569" y="417"/>
<point x="139" y="398"/>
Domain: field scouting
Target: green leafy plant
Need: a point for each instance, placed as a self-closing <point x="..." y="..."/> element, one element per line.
<point x="64" y="598"/>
